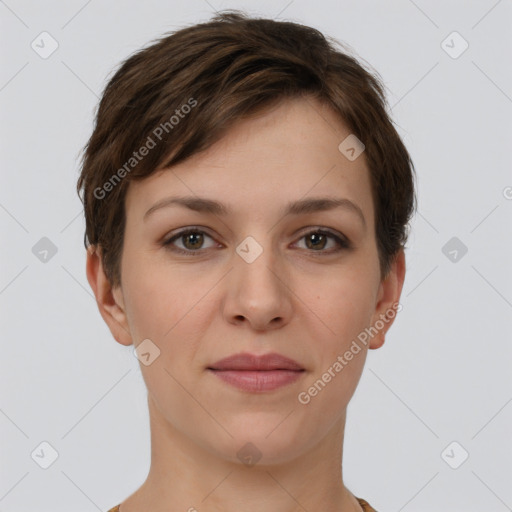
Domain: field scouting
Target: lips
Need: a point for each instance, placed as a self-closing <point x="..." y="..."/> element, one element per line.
<point x="248" y="362"/>
<point x="251" y="373"/>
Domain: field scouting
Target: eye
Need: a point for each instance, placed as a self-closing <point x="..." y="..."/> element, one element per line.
<point x="317" y="240"/>
<point x="192" y="239"/>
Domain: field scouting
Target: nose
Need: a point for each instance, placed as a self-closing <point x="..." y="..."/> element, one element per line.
<point x="258" y="293"/>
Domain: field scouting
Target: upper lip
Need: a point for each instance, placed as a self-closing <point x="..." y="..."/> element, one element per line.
<point x="246" y="361"/>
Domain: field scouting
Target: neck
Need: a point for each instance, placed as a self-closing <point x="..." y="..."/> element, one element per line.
<point x="186" y="476"/>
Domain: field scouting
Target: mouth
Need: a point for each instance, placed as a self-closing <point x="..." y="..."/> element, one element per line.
<point x="252" y="373"/>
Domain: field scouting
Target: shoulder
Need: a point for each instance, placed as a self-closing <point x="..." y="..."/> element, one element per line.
<point x="364" y="504"/>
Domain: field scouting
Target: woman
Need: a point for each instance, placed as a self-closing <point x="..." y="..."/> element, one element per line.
<point x="247" y="200"/>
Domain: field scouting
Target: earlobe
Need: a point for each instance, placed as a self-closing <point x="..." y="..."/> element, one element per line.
<point x="388" y="302"/>
<point x="110" y="300"/>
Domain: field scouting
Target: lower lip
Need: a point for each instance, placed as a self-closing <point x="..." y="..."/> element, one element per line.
<point x="255" y="381"/>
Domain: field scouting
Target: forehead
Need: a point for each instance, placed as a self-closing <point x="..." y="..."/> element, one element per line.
<point x="276" y="156"/>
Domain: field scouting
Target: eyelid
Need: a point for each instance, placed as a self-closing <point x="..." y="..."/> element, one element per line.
<point x="175" y="235"/>
<point x="323" y="229"/>
<point x="343" y="242"/>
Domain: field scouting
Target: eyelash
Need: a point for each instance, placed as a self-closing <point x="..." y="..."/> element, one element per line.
<point x="342" y="242"/>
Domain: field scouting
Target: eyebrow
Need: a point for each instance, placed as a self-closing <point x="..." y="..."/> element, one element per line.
<point x="302" y="206"/>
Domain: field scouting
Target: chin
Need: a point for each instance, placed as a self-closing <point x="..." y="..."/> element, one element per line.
<point x="261" y="442"/>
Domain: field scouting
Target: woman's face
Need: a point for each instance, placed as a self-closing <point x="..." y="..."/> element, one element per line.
<point x="255" y="279"/>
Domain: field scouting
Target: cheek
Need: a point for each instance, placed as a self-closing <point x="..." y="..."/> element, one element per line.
<point x="347" y="304"/>
<point x="159" y="300"/>
<point x="339" y="354"/>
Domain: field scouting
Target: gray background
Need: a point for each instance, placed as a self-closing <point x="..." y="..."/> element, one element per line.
<point x="443" y="374"/>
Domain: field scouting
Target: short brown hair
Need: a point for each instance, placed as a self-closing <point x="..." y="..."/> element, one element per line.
<point x="208" y="76"/>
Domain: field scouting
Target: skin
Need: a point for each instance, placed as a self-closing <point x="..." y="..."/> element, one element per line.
<point x="293" y="299"/>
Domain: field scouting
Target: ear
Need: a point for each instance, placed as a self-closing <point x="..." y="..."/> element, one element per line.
<point x="110" y="300"/>
<point x="388" y="298"/>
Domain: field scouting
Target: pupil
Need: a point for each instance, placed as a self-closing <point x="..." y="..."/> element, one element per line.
<point x="192" y="236"/>
<point x="317" y="236"/>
